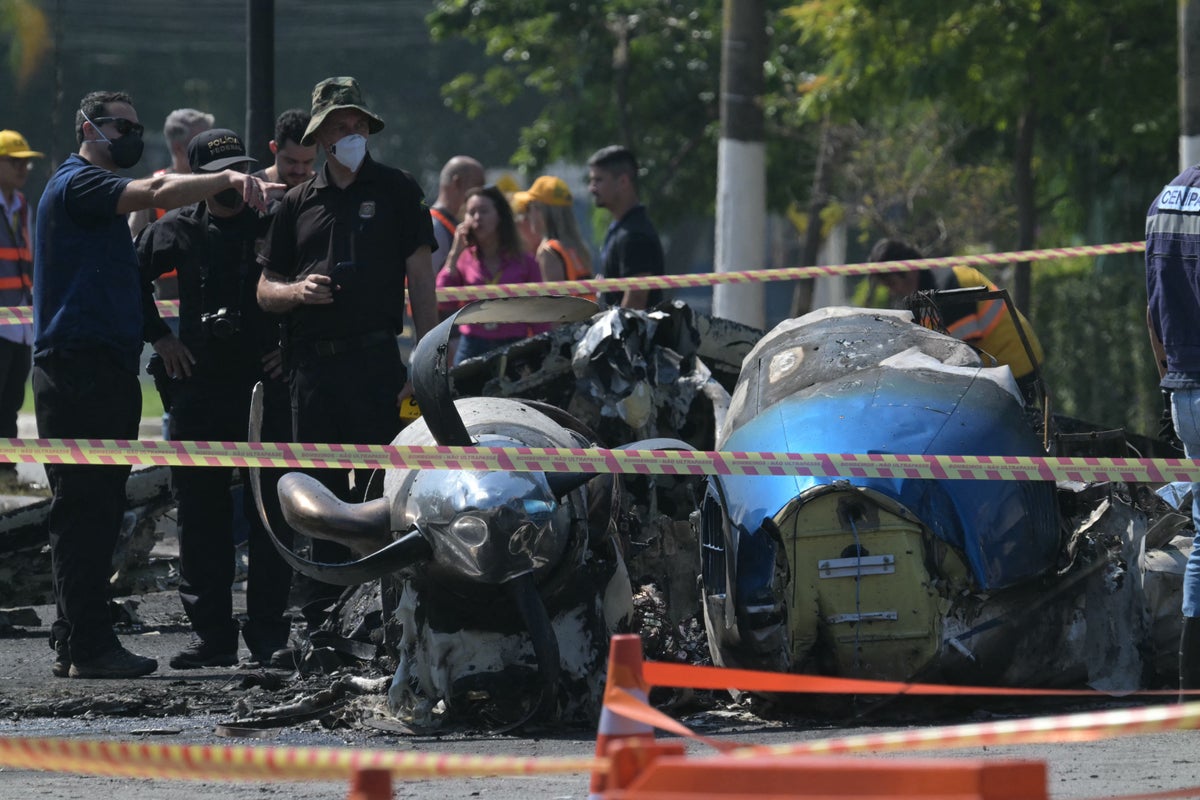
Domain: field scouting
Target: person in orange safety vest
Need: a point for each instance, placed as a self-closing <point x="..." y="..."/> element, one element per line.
<point x="547" y="208"/>
<point x="986" y="325"/>
<point x="16" y="282"/>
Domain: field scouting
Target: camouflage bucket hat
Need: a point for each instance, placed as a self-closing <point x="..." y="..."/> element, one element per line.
<point x="332" y="94"/>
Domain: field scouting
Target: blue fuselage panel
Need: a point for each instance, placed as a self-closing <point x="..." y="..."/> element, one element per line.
<point x="1007" y="530"/>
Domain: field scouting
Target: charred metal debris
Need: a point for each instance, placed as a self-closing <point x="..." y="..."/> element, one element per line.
<point x="624" y="376"/>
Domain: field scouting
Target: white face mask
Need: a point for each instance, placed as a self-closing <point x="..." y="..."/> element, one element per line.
<point x="350" y="151"/>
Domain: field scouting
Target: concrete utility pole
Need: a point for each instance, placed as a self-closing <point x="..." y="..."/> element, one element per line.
<point x="1189" y="83"/>
<point x="260" y="80"/>
<point x="741" y="161"/>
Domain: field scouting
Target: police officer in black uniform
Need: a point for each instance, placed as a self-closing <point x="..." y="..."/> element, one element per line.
<point x="341" y="251"/>
<point x="226" y="344"/>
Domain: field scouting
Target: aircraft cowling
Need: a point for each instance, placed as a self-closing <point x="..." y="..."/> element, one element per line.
<point x="488" y="527"/>
<point x="479" y="526"/>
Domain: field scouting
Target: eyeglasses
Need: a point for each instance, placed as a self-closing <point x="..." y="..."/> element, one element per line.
<point x="123" y="126"/>
<point x="19" y="163"/>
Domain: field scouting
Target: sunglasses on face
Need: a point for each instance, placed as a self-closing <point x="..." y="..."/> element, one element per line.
<point x="123" y="126"/>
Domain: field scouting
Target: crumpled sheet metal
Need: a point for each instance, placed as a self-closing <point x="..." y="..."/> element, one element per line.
<point x="625" y="374"/>
<point x="643" y="370"/>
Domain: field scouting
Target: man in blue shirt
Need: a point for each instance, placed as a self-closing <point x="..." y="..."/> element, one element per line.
<point x="1173" y="292"/>
<point x="87" y="314"/>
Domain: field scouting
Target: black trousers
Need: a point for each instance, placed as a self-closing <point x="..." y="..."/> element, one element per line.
<point x="85" y="394"/>
<point x="15" y="361"/>
<point x="347" y="398"/>
<point x="204" y="409"/>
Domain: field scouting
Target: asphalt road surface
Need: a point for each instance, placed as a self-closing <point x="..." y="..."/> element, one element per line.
<point x="172" y="707"/>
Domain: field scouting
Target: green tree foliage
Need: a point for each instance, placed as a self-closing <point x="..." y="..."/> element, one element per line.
<point x="902" y="176"/>
<point x="1059" y="121"/>
<point x="28" y="35"/>
<point x="1073" y="67"/>
<point x="1092" y="323"/>
<point x="641" y="73"/>
<point x="1067" y="92"/>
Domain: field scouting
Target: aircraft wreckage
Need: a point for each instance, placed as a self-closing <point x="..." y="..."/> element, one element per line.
<point x="914" y="579"/>
<point x="506" y="586"/>
<point x="500" y="590"/>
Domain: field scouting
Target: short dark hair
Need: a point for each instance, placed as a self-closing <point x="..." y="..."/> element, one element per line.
<point x="894" y="250"/>
<point x="95" y="104"/>
<point x="617" y="159"/>
<point x="290" y="126"/>
<point x="510" y="240"/>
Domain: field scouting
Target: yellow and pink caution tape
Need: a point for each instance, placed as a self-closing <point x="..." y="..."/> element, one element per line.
<point x="231" y="763"/>
<point x="463" y="293"/>
<point x="597" y="460"/>
<point x="17" y="315"/>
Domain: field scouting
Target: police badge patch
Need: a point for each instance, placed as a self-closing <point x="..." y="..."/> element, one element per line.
<point x="366" y="210"/>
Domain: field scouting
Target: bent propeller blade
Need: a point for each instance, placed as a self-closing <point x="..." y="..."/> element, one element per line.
<point x="430" y="362"/>
<point x="401" y="552"/>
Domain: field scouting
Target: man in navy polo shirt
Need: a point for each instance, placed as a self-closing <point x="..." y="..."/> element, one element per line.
<point x="87" y="313"/>
<point x="631" y="246"/>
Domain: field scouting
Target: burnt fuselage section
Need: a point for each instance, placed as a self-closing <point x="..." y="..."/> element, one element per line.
<point x="855" y="575"/>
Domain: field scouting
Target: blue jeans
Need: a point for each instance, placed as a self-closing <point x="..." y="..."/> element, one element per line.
<point x="1185" y="411"/>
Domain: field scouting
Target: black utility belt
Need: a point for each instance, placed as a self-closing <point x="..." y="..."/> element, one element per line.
<point x="323" y="348"/>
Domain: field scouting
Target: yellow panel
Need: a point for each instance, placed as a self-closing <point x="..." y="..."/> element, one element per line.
<point x="862" y="624"/>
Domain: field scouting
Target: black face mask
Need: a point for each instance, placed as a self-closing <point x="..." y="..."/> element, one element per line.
<point x="126" y="151"/>
<point x="228" y="198"/>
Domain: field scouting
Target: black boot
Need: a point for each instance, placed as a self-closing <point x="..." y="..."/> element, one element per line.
<point x="1189" y="658"/>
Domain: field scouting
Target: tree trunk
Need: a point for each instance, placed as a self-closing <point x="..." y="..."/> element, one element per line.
<point x="803" y="293"/>
<point x="741" y="224"/>
<point x="260" y="78"/>
<point x="1189" y="83"/>
<point x="1026" y="205"/>
<point x="620" y="63"/>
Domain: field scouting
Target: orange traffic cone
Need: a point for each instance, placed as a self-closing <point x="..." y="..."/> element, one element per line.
<point x="624" y="672"/>
<point x="371" y="784"/>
